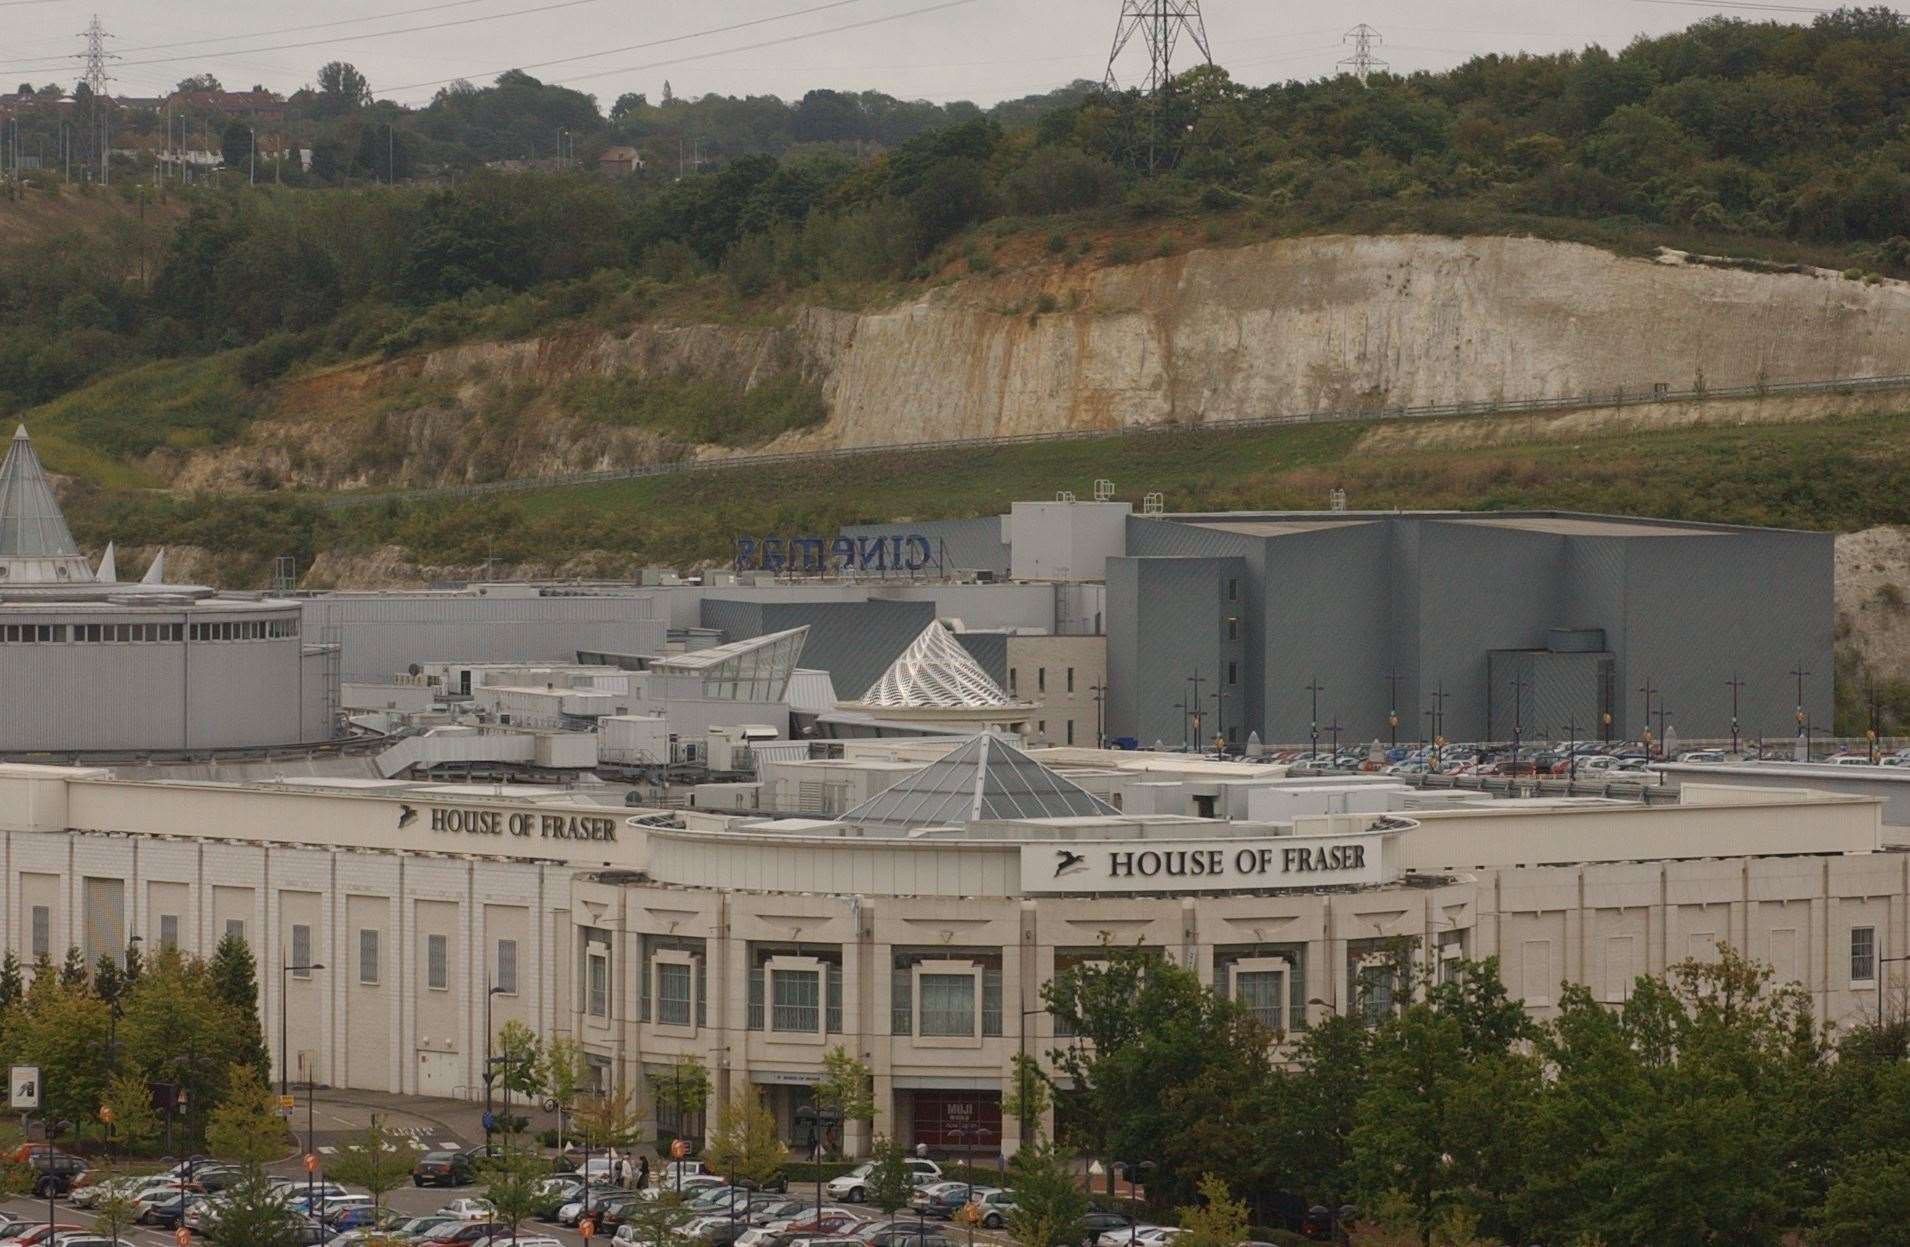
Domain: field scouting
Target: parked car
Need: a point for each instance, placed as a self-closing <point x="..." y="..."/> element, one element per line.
<point x="1850" y="759"/>
<point x="1120" y="1235"/>
<point x="167" y="1211"/>
<point x="909" y="1238"/>
<point x="418" y="1228"/>
<point x="34" y="1235"/>
<point x="468" y="1210"/>
<point x="925" y="1195"/>
<point x="55" y="1172"/>
<point x="1099" y="1223"/>
<point x="994" y="1207"/>
<point x="463" y="1234"/>
<point x="956" y="1195"/>
<point x="854" y="1185"/>
<point x="443" y="1169"/>
<point x="362" y="1217"/>
<point x="522" y="1240"/>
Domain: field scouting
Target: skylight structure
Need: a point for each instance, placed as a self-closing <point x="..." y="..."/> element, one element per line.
<point x="935" y="672"/>
<point x="755" y="670"/>
<point x="985" y="780"/>
<point x="36" y="547"/>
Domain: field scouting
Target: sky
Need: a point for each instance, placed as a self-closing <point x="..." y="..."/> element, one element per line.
<point x="940" y="50"/>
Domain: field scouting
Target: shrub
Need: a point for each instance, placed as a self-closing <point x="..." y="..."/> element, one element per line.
<point x="1057" y="242"/>
<point x="1057" y="178"/>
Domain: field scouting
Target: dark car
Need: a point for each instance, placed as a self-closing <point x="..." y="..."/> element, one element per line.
<point x="167" y="1212"/>
<point x="443" y="1169"/>
<point x="946" y="1203"/>
<point x="555" y="1195"/>
<point x="1099" y="1223"/>
<point x="213" y="1177"/>
<point x="909" y="1238"/>
<point x="55" y="1172"/>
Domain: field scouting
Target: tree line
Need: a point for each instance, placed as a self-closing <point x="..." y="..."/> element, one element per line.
<point x="1710" y="1106"/>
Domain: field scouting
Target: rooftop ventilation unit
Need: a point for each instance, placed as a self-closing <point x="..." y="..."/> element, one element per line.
<point x="1154" y="504"/>
<point x="1103" y="490"/>
<point x="1064" y="495"/>
<point x="1336" y="500"/>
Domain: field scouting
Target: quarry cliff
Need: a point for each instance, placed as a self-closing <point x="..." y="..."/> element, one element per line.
<point x="1298" y="325"/>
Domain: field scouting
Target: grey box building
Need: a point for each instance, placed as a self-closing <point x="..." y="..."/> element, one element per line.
<point x="1547" y="623"/>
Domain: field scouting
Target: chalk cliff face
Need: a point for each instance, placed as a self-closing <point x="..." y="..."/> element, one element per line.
<point x="1284" y="327"/>
<point x="1323" y="323"/>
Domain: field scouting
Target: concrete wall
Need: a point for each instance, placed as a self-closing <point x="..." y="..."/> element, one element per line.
<point x="381" y="634"/>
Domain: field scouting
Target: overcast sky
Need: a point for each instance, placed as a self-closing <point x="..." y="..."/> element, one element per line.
<point x="983" y="50"/>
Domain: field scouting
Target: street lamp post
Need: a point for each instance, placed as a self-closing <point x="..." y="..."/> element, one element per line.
<point x="969" y="1136"/>
<point x="1021" y="1074"/>
<point x="286" y="969"/>
<point x="1132" y="1171"/>
<point x="490" y="1072"/>
<point x="1881" y="973"/>
<point x="1100" y="692"/>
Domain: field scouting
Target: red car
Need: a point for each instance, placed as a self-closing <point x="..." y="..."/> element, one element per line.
<point x="39" y="1233"/>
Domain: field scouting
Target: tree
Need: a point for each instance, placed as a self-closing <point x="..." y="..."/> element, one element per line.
<point x="1218" y="1220"/>
<point x="1049" y="1203"/>
<point x="517" y="1055"/>
<point x="563" y="1073"/>
<point x="889" y="1185"/>
<point x="62" y="1029"/>
<point x="198" y="82"/>
<point x="235" y="981"/>
<point x="685" y="1089"/>
<point x="745" y="1144"/>
<point x="377" y="1160"/>
<point x="114" y="1212"/>
<point x="129" y="1099"/>
<point x="252" y="1213"/>
<point x="1028" y="1097"/>
<point x="135" y="963"/>
<point x="610" y="1120"/>
<point x="845" y="1088"/>
<point x="176" y="1028"/>
<point x="341" y="87"/>
<point x="1868" y="1204"/>
<point x="513" y="1182"/>
<point x="656" y="1221"/>
<point x="12" y="982"/>
<point x="73" y="969"/>
<point x="235" y="145"/>
<point x="246" y="1127"/>
<point x="108" y="980"/>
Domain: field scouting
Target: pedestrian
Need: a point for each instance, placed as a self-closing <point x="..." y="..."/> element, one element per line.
<point x="623" y="1173"/>
<point x="643" y="1172"/>
<point x="610" y="1167"/>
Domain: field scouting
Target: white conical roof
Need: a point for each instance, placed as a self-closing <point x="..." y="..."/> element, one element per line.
<point x="984" y="780"/>
<point x="36" y="547"/>
<point x="156" y="573"/>
<point x="108" y="570"/>
<point x="936" y="672"/>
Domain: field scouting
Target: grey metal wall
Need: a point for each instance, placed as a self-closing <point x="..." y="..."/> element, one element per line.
<point x="990" y="650"/>
<point x="382" y="634"/>
<point x="1166" y="623"/>
<point x="853" y="641"/>
<point x="152" y="695"/>
<point x="1350" y="599"/>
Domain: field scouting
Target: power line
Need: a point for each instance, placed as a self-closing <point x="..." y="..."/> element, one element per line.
<point x="704" y="56"/>
<point x="371" y="34"/>
<point x="653" y="43"/>
<point x="1738" y="4"/>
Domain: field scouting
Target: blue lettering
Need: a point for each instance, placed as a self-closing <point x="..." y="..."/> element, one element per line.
<point x="810" y="548"/>
<point x="918" y="553"/>
<point x="872" y="554"/>
<point x="745" y="553"/>
<point x="773" y="554"/>
<point x="842" y="553"/>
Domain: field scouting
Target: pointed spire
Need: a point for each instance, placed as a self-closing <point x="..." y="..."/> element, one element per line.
<point x="108" y="572"/>
<point x="35" y="544"/>
<point x="156" y="574"/>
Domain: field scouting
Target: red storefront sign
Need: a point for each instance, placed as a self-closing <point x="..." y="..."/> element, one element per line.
<point x="958" y="1120"/>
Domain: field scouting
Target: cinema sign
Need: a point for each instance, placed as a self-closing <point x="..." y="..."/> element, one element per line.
<point x="897" y="552"/>
<point x="1260" y="863"/>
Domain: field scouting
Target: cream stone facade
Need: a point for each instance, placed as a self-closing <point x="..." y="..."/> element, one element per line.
<point x="757" y="944"/>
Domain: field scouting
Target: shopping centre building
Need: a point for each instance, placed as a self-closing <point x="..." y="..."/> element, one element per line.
<point x="916" y="926"/>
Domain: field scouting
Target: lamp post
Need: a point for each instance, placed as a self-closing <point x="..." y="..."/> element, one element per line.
<point x="1313" y="723"/>
<point x="1100" y="715"/>
<point x="490" y="1073"/>
<point x="1881" y="963"/>
<point x="1021" y="1075"/>
<point x="969" y="1136"/>
<point x="1392" y="709"/>
<point x="1736" y="686"/>
<point x="286" y="970"/>
<point x="1132" y="1170"/>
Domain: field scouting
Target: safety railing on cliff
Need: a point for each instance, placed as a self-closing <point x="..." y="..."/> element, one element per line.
<point x="1620" y="397"/>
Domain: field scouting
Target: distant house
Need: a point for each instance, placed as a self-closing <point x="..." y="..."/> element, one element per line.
<point x="253" y="105"/>
<point x="619" y="162"/>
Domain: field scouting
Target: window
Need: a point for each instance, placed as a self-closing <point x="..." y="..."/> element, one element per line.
<point x="832" y="1001"/>
<point x="301" y="951"/>
<point x="599" y="985"/>
<point x="1233" y="628"/>
<point x="795" y="1001"/>
<point x="1233" y="588"/>
<point x="507" y="967"/>
<point x="948" y="1004"/>
<point x="235" y="928"/>
<point x="673" y="994"/>
<point x="437" y="956"/>
<point x="1013" y="672"/>
<point x="169" y="930"/>
<point x="1070" y="731"/>
<point x="901" y="1000"/>
<point x="42" y="931"/>
<point x="1259" y="992"/>
<point x="368" y="957"/>
<point x="1863" y="954"/>
<point x="1071" y="679"/>
<point x="1233" y="673"/>
<point x="1041" y="679"/>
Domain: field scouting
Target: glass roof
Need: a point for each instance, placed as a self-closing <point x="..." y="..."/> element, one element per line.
<point x="984" y="780"/>
<point x="755" y="670"/>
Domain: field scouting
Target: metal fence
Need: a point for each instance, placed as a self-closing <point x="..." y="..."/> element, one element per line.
<point x="1622" y="396"/>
